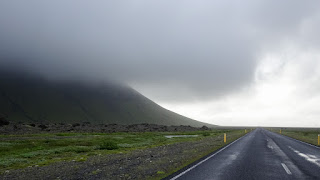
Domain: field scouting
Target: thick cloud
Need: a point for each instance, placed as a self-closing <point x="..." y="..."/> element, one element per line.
<point x="170" y="50"/>
<point x="285" y="92"/>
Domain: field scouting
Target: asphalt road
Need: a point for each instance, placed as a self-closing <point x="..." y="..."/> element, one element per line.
<point x="261" y="155"/>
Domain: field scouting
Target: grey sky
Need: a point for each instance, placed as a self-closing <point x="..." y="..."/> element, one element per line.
<point x="174" y="51"/>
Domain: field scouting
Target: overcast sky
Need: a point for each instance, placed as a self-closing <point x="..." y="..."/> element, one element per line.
<point x="248" y="62"/>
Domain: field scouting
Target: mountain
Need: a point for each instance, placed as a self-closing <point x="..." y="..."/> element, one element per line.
<point x="27" y="98"/>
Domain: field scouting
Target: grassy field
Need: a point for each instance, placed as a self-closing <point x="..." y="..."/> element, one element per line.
<point x="309" y="135"/>
<point x="20" y="151"/>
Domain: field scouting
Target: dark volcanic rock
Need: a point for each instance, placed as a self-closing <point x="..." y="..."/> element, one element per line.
<point x="88" y="128"/>
<point x="42" y="126"/>
<point x="3" y="120"/>
<point x="33" y="125"/>
<point x="75" y="124"/>
<point x="204" y="128"/>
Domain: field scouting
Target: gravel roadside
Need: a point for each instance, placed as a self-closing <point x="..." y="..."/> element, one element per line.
<point x="151" y="163"/>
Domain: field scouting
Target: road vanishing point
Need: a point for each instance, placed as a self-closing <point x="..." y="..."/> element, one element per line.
<point x="259" y="155"/>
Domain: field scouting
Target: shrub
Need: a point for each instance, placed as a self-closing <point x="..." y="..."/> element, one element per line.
<point x="81" y="149"/>
<point x="109" y="145"/>
<point x="206" y="134"/>
<point x="76" y="149"/>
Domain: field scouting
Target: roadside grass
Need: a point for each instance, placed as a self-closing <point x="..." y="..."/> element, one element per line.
<point x="302" y="134"/>
<point x="20" y="151"/>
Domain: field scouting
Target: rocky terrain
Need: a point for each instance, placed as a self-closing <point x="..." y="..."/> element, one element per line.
<point x="32" y="128"/>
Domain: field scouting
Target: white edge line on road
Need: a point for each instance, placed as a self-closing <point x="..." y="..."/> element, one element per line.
<point x="305" y="143"/>
<point x="286" y="168"/>
<point x="298" y="140"/>
<point x="189" y="169"/>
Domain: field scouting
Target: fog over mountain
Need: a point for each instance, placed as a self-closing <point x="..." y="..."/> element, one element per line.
<point x="224" y="62"/>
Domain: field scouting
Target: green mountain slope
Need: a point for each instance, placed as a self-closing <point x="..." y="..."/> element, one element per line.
<point x="25" y="98"/>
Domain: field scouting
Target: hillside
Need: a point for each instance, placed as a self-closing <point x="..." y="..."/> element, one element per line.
<point x="26" y="98"/>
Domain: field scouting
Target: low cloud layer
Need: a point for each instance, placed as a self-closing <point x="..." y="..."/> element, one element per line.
<point x="175" y="52"/>
<point x="285" y="92"/>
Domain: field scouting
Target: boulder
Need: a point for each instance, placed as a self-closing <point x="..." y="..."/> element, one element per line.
<point x="42" y="126"/>
<point x="205" y="128"/>
<point x="75" y="124"/>
<point x="3" y="120"/>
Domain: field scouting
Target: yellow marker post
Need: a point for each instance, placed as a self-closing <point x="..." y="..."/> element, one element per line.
<point x="225" y="138"/>
<point x="318" y="139"/>
<point x="245" y="130"/>
<point x="280" y="131"/>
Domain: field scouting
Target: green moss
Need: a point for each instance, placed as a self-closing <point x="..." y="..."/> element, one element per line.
<point x="95" y="172"/>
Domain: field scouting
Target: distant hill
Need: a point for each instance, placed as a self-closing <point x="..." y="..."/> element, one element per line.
<point x="27" y="98"/>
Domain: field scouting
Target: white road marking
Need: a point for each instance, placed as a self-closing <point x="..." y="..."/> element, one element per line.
<point x="299" y="141"/>
<point x="189" y="169"/>
<point x="286" y="168"/>
<point x="305" y="143"/>
<point x="309" y="157"/>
